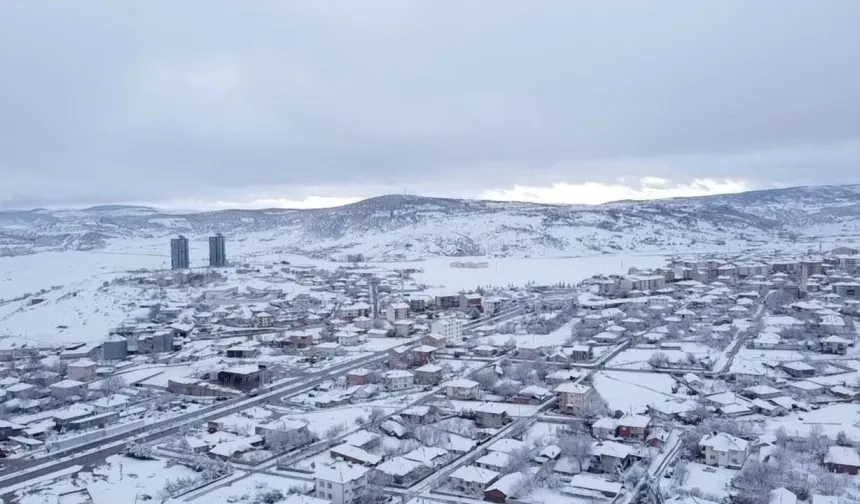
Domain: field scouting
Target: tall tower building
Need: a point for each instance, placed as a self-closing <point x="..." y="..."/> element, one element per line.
<point x="179" y="258"/>
<point x="217" y="251"/>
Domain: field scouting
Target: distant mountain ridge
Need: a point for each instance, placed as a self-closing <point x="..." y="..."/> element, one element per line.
<point x="403" y="226"/>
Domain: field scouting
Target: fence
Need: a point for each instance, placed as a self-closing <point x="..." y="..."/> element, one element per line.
<point x="89" y="437"/>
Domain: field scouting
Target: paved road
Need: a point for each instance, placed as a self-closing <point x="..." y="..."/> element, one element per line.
<point x="750" y="331"/>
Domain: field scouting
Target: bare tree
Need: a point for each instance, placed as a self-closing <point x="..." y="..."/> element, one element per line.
<point x="576" y="447"/>
<point x="374" y="491"/>
<point x="658" y="360"/>
<point x="377" y="415"/>
<point x="113" y="384"/>
<point x="334" y="431"/>
<point x="282" y="439"/>
<point x="520" y="460"/>
<point x="486" y="378"/>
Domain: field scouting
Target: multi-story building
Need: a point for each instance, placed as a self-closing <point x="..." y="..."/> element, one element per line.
<point x="574" y="398"/>
<point x="340" y="482"/>
<point x="179" y="257"/>
<point x="398" y="379"/>
<point x="217" y="251"/>
<point x="397" y="311"/>
<point x="451" y="329"/>
<point x="724" y="450"/>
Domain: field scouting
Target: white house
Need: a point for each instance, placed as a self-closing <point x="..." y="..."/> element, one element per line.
<point x="461" y="389"/>
<point x="724" y="450"/>
<point x="451" y="329"/>
<point x="68" y="389"/>
<point x="81" y="370"/>
<point x="398" y="379"/>
<point x="473" y="480"/>
<point x="340" y="482"/>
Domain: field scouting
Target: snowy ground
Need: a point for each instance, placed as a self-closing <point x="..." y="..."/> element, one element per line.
<point x="710" y="480"/>
<point x="632" y="392"/>
<point x="250" y="489"/>
<point x="832" y="419"/>
<point x="637" y="358"/>
<point x="119" y="480"/>
<point x="514" y="410"/>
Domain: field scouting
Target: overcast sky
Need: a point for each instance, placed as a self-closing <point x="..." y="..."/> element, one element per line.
<point x="306" y="103"/>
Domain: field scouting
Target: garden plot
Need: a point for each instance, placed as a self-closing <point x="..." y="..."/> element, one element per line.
<point x="514" y="410"/>
<point x="632" y="392"/>
<point x="254" y="489"/>
<point x="688" y="355"/>
<point x="712" y="481"/>
<point x="319" y="422"/>
<point x="832" y="419"/>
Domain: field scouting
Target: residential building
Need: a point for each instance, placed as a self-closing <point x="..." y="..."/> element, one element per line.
<point x="358" y="377"/>
<point x="397" y="311"/>
<point x="798" y="369"/>
<point x="402" y="470"/>
<point x="355" y="455"/>
<point x="423" y="354"/>
<point x="398" y="379"/>
<point x="491" y="305"/>
<point x="241" y="377"/>
<point x="470" y="302"/>
<point x="428" y="374"/>
<point x="835" y="345"/>
<point x="633" y="427"/>
<point x="612" y="455"/>
<point x="419" y="414"/>
<point x="724" y="450"/>
<point x="574" y="398"/>
<point x="179" y="257"/>
<point x="451" y="329"/>
<point x="843" y="460"/>
<point x="847" y="289"/>
<point x="340" y="482"/>
<point x="490" y="415"/>
<point x="473" y="480"/>
<point x="462" y="388"/>
<point x="447" y="302"/>
<point x="284" y="434"/>
<point x="217" y="251"/>
<point x="69" y="390"/>
<point x="81" y="370"/>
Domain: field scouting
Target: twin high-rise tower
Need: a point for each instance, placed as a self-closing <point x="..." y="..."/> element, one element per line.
<point x="217" y="251"/>
<point x="180" y="258"/>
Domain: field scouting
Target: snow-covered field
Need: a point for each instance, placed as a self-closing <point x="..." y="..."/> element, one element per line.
<point x="710" y="480"/>
<point x="633" y="392"/>
<point x="637" y="358"/>
<point x="251" y="488"/>
<point x="832" y="418"/>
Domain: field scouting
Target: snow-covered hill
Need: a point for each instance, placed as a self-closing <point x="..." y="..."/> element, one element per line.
<point x="400" y="226"/>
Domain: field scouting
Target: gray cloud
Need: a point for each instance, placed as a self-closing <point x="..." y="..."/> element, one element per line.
<point x="157" y="101"/>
